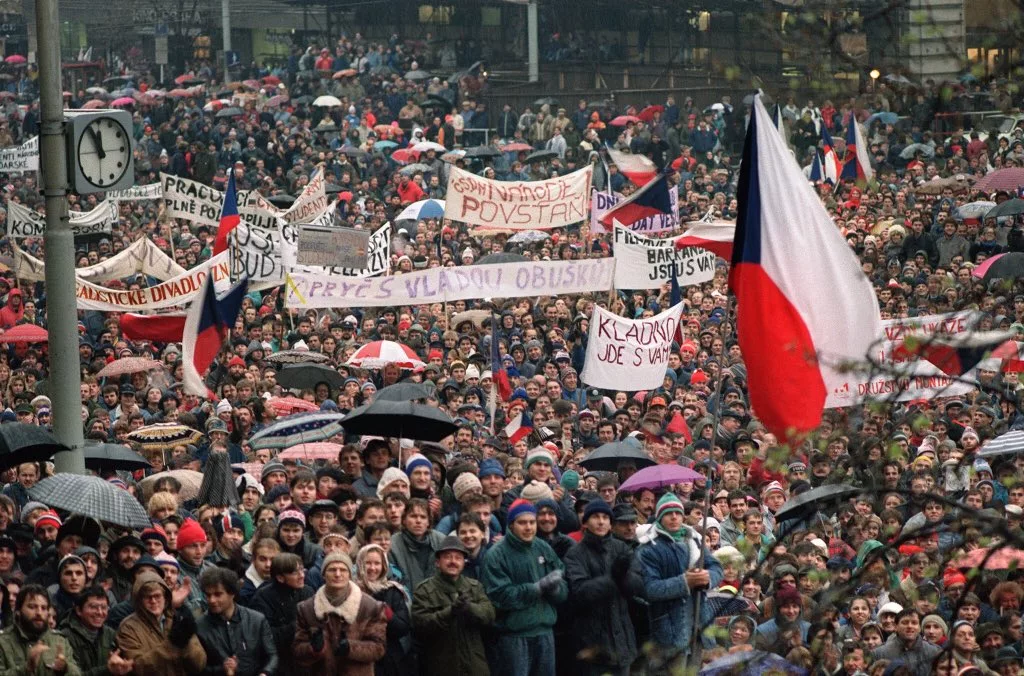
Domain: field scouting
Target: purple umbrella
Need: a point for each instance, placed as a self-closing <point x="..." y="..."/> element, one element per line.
<point x="660" y="476"/>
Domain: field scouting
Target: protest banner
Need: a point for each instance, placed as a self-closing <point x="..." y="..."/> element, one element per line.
<point x="261" y="254"/>
<point x="20" y="158"/>
<point x="23" y="222"/>
<point x="311" y="204"/>
<point x="904" y="378"/>
<point x="178" y="291"/>
<point x="137" y="193"/>
<point x="323" y="245"/>
<point x="257" y="211"/>
<point x="141" y="256"/>
<point x="646" y="263"/>
<point x="518" y="205"/>
<point x="438" y="285"/>
<point x="629" y="354"/>
<point x="602" y="202"/>
<point x="191" y="200"/>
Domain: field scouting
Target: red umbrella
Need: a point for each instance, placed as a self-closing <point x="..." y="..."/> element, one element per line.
<point x="179" y="93"/>
<point x="647" y="114"/>
<point x="1002" y="179"/>
<point x="1005" y="558"/>
<point x="404" y="155"/>
<point x="123" y="102"/>
<point x="93" y="104"/>
<point x="275" y="101"/>
<point x="623" y="120"/>
<point x="288" y="405"/>
<point x="15" y="59"/>
<point x="321" y="450"/>
<point x="25" y="333"/>
<point x="380" y="352"/>
<point x="516" y="148"/>
<point x="980" y="271"/>
<point x="272" y="80"/>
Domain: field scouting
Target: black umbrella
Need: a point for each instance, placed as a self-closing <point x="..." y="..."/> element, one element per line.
<point x="541" y="156"/>
<point x="303" y="100"/>
<point x="399" y="419"/>
<point x="501" y="258"/>
<point x="112" y="456"/>
<point x="281" y="199"/>
<point x="1007" y="208"/>
<point x="351" y="151"/>
<point x="607" y="458"/>
<point x="26" y="443"/>
<point x="231" y="111"/>
<point x="93" y="497"/>
<point x="189" y="82"/>
<point x="224" y="94"/>
<point x="807" y="504"/>
<point x="303" y="376"/>
<point x="436" y="101"/>
<point x="483" y="151"/>
<point x="1009" y="266"/>
<point x="406" y="391"/>
<point x="332" y="189"/>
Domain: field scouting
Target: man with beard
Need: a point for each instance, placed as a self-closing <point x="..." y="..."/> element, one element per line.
<point x="121" y="559"/>
<point x="30" y="644"/>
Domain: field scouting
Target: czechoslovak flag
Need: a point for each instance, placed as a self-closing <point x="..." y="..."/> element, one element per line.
<point x="637" y="168"/>
<point x="519" y="427"/>
<point x="229" y="218"/>
<point x="207" y="324"/>
<point x="650" y="200"/>
<point x="803" y="303"/>
<point x="715" y="236"/>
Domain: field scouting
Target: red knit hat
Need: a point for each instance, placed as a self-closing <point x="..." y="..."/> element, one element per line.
<point x="190" y="533"/>
<point x="49" y="518"/>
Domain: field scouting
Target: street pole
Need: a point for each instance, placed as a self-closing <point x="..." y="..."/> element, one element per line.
<point x="61" y="312"/>
<point x="225" y="22"/>
<point x="531" y="37"/>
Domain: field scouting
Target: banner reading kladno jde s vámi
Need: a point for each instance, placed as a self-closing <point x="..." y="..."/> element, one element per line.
<point x="629" y="354"/>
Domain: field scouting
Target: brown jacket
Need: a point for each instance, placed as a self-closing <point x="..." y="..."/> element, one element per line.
<point x="141" y="638"/>
<point x="359" y="618"/>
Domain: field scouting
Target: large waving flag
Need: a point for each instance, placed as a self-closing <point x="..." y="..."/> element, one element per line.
<point x="953" y="355"/>
<point x="650" y="200"/>
<point x="637" y="168"/>
<point x="229" y="218"/>
<point x="207" y="324"/>
<point x="715" y="236"/>
<point x="797" y="313"/>
<point x="856" y="164"/>
<point x="830" y="165"/>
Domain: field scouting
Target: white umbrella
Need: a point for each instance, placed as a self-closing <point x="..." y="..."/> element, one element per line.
<point x="1011" y="442"/>
<point x="529" y="236"/>
<point x="326" y="102"/>
<point x="424" y="146"/>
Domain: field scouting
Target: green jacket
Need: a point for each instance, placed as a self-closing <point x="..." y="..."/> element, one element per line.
<point x="15" y="646"/>
<point x="452" y="645"/>
<point x="510" y="572"/>
<point x="91" y="652"/>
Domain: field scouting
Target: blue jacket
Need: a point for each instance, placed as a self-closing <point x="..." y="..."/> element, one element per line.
<point x="662" y="564"/>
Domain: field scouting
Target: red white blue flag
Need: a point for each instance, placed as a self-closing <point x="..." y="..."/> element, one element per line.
<point x="651" y="200"/>
<point x="207" y="324"/>
<point x="229" y="218"/>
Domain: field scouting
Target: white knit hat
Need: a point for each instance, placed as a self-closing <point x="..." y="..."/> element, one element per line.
<point x="465" y="483"/>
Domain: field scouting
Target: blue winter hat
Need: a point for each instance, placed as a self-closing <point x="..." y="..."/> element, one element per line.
<point x="519" y="508"/>
<point x="417" y="460"/>
<point x="597" y="506"/>
<point x="226" y="522"/>
<point x="491" y="467"/>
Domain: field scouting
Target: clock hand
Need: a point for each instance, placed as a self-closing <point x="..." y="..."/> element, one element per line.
<point x="97" y="140"/>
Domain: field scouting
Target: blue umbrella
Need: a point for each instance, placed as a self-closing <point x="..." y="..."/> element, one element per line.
<point x="384" y="145"/>
<point x="297" y="429"/>
<point x="422" y="209"/>
<point x="885" y="116"/>
<point x="751" y="662"/>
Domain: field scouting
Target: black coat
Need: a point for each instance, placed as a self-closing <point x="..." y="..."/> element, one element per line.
<point x="246" y="636"/>
<point x="599" y="599"/>
<point x="400" y="658"/>
<point x="279" y="604"/>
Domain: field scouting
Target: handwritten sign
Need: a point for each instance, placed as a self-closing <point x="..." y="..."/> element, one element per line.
<point x="646" y="263"/>
<point x="20" y="158"/>
<point x="518" y="205"/>
<point x="320" y="245"/>
<point x="629" y="354"/>
<point x="23" y="223"/>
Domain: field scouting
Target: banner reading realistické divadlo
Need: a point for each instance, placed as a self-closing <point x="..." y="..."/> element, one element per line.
<point x="178" y="291"/>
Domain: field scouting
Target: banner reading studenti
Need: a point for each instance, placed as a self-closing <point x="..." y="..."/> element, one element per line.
<point x="904" y="379"/>
<point x="178" y="291"/>
<point x="647" y="263"/>
<point x="438" y="285"/>
<point x="140" y="256"/>
<point x="629" y="354"/>
<point x="601" y="202"/>
<point x="518" y="205"/>
<point x="20" y="158"/>
<point x="23" y="222"/>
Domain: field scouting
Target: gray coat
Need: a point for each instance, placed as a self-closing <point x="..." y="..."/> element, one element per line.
<point x="917" y="658"/>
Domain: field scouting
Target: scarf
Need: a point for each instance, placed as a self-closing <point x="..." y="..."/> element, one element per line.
<point x="380" y="584"/>
<point x="346" y="607"/>
<point x="675" y="537"/>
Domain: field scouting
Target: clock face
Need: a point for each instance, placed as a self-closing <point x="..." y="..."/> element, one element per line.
<point x="104" y="152"/>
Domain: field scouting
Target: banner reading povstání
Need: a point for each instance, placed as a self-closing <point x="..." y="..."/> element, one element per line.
<point x="518" y="205"/>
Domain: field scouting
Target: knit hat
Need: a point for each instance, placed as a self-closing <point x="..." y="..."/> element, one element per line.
<point x="953" y="577"/>
<point x="190" y="533"/>
<point x="518" y="508"/>
<point x="666" y="505"/>
<point x="465" y="483"/>
<point x="787" y="593"/>
<point x="937" y="620"/>
<point x="276" y="492"/>
<point x="535" y="490"/>
<point x="70" y="558"/>
<point x="728" y="555"/>
<point x="155" y="532"/>
<point x="417" y="460"/>
<point x="271" y="467"/>
<point x="30" y="507"/>
<point x="491" y="467"/>
<point x="598" y="506"/>
<point x="226" y="522"/>
<point x="570" y="480"/>
<point x="537" y="454"/>
<point x="48" y="518"/>
<point x="290" y="515"/>
<point x="772" y="487"/>
<point x="390" y="476"/>
<point x="165" y="559"/>
<point x="337" y="557"/>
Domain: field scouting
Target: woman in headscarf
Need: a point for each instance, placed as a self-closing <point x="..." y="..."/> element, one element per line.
<point x="372" y="578"/>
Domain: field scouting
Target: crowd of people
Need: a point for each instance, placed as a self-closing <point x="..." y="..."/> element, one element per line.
<point x="483" y="554"/>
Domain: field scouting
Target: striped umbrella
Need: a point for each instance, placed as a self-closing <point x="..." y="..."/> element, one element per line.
<point x="297" y="357"/>
<point x="323" y="450"/>
<point x="93" y="497"/>
<point x="298" y="429"/>
<point x="289" y="405"/>
<point x="1004" y="444"/>
<point x="161" y="435"/>
<point x="379" y="353"/>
